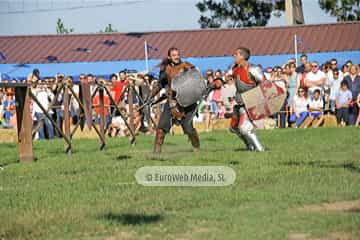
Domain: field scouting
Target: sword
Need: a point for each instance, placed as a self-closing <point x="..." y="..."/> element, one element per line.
<point x="150" y="102"/>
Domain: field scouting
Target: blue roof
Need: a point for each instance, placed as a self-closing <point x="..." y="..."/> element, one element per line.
<point x="106" y="68"/>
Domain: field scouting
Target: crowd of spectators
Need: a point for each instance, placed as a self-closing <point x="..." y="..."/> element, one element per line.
<point x="312" y="91"/>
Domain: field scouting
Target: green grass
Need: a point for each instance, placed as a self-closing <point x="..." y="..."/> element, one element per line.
<point x="93" y="195"/>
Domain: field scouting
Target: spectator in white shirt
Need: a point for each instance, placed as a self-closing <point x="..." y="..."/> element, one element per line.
<point x="315" y="79"/>
<point x="44" y="95"/>
<point x="334" y="85"/>
<point x="333" y="67"/>
<point x="316" y="106"/>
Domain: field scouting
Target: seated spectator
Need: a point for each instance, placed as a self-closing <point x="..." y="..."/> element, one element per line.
<point x="315" y="79"/>
<point x="316" y="106"/>
<point x="300" y="108"/>
<point x="118" y="126"/>
<point x="228" y="93"/>
<point x="137" y="124"/>
<point x="343" y="100"/>
<point x="221" y="109"/>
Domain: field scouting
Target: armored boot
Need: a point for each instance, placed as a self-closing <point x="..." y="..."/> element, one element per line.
<point x="253" y="139"/>
<point x="248" y="144"/>
<point x="195" y="142"/>
<point x="159" y="140"/>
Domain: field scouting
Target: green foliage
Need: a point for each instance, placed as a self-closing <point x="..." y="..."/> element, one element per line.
<point x="61" y="29"/>
<point x="237" y="13"/>
<point x="108" y="29"/>
<point x="93" y="194"/>
<point x="343" y="10"/>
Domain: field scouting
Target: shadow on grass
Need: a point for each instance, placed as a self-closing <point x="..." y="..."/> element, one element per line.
<point x="132" y="219"/>
<point x="354" y="210"/>
<point x="209" y="139"/>
<point x="319" y="164"/>
<point x="122" y="157"/>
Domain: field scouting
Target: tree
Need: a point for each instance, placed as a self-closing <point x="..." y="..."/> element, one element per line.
<point x="343" y="10"/>
<point x="238" y="13"/>
<point x="61" y="29"/>
<point x="109" y="29"/>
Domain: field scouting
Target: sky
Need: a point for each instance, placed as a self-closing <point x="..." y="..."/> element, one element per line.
<point x="32" y="17"/>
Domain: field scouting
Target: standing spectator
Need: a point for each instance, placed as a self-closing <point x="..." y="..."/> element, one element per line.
<point x="346" y="68"/>
<point x="334" y="85"/>
<point x="353" y="81"/>
<point x="145" y="94"/>
<point x="268" y="73"/>
<point x="9" y="106"/>
<point x="300" y="108"/>
<point x="302" y="76"/>
<point x="333" y="66"/>
<point x="119" y="86"/>
<point x="216" y="97"/>
<point x="315" y="79"/>
<point x="358" y="104"/>
<point x="44" y="95"/>
<point x="343" y="100"/>
<point x="279" y="79"/>
<point x="59" y="78"/>
<point x="218" y="74"/>
<point x="304" y="61"/>
<point x="96" y="105"/>
<point x="292" y="83"/>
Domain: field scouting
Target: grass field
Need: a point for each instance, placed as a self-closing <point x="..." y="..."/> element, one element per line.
<point x="306" y="186"/>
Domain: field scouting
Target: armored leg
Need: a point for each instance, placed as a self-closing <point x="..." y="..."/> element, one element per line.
<point x="244" y="129"/>
<point x="234" y="128"/>
<point x="163" y="127"/>
<point x="159" y="140"/>
<point x="188" y="127"/>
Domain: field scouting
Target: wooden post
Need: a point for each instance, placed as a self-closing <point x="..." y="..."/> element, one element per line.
<point x="131" y="107"/>
<point x="157" y="111"/>
<point x="133" y="139"/>
<point x="102" y="117"/>
<point x="24" y="124"/>
<point x="67" y="118"/>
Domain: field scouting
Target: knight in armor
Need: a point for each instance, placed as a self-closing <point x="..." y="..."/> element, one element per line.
<point x="172" y="112"/>
<point x="246" y="77"/>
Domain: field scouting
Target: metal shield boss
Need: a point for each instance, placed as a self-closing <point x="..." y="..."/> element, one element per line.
<point x="189" y="86"/>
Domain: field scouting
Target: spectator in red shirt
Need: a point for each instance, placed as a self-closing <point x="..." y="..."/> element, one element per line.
<point x="119" y="86"/>
<point x="96" y="105"/>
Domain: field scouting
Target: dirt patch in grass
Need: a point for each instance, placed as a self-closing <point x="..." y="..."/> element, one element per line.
<point x="345" y="206"/>
<point x="124" y="236"/>
<point x="330" y="236"/>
